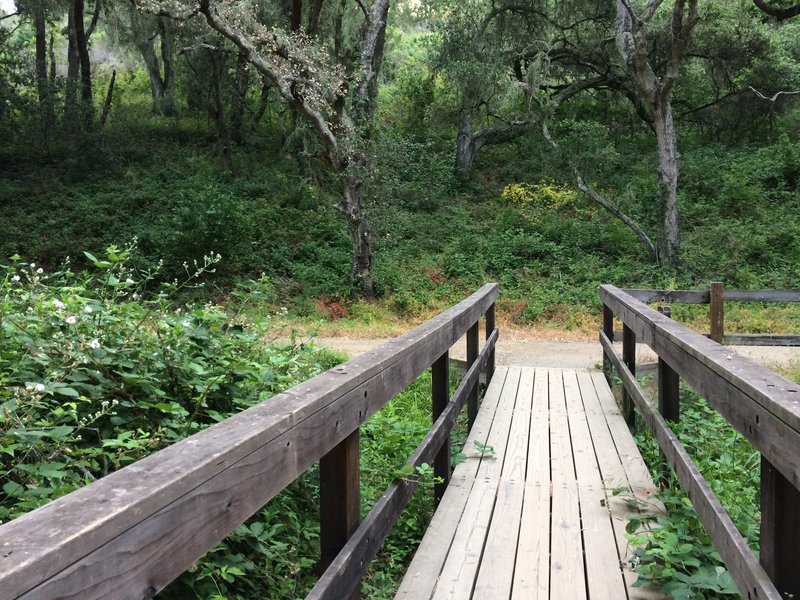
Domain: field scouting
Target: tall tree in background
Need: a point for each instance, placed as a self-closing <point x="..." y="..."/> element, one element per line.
<point x="338" y="104"/>
<point x="655" y="90"/>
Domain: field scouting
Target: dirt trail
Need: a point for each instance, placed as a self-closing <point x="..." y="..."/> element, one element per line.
<point x="572" y="354"/>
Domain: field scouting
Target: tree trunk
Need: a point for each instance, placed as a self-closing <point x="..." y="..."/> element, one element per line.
<point x="148" y="51"/>
<point x="238" y="102"/>
<point x="314" y="11"/>
<point x="466" y="148"/>
<point x="42" y="83"/>
<point x="83" y="56"/>
<point x="669" y="237"/>
<point x="52" y="61"/>
<point x="168" y="60"/>
<point x="361" y="279"/>
<point x="73" y="67"/>
<point x="218" y="111"/>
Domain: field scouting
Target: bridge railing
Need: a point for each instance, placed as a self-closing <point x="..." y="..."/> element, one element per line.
<point x="129" y="534"/>
<point x="763" y="406"/>
<point x="715" y="297"/>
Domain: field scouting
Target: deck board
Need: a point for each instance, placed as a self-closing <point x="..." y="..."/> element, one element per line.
<point x="536" y="518"/>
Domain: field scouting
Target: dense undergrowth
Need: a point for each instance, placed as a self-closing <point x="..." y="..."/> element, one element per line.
<point x="97" y="371"/>
<point x="675" y="551"/>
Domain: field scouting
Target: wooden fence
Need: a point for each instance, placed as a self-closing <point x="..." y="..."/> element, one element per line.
<point x="127" y="535"/>
<point x="716" y="296"/>
<point x="763" y="406"/>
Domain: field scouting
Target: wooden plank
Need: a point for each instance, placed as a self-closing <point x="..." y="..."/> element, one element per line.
<point x="491" y="464"/>
<point x="762" y="295"/>
<point x="674" y="296"/>
<point x="472" y="355"/>
<point x="422" y="574"/>
<point x="760" y="404"/>
<point x="742" y="564"/>
<point x="602" y="562"/>
<point x="716" y="311"/>
<point x="532" y="569"/>
<point x="515" y="459"/>
<point x="566" y="553"/>
<point x="440" y="395"/>
<point x="780" y="530"/>
<point x="762" y="339"/>
<point x="457" y="577"/>
<point x="118" y="537"/>
<point x="496" y="572"/>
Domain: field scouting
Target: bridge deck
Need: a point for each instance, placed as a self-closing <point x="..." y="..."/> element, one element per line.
<point x="537" y="519"/>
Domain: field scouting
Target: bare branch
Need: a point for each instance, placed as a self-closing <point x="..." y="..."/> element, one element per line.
<point x="774" y="97"/>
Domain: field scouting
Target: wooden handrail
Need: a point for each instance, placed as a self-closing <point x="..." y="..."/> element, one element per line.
<point x="127" y="535"/>
<point x="763" y="406"/>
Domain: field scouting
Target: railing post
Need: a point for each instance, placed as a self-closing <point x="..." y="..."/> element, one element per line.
<point x="340" y="502"/>
<point x="608" y="329"/>
<point x="472" y="356"/>
<point x="490" y="326"/>
<point x="629" y="358"/>
<point x="716" y="311"/>
<point x="669" y="385"/>
<point x="780" y="530"/>
<point x="440" y="390"/>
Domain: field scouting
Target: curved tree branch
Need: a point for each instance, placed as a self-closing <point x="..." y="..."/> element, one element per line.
<point x="780" y="14"/>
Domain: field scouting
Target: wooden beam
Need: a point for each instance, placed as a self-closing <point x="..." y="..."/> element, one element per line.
<point x="716" y="311"/>
<point x="750" y="577"/>
<point x="472" y="355"/>
<point x="629" y="356"/>
<point x="780" y="530"/>
<point x="608" y="330"/>
<point x="440" y="392"/>
<point x="490" y="327"/>
<point x="339" y="499"/>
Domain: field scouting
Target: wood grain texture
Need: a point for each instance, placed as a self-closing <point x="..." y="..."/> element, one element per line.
<point x="761" y="405"/>
<point x="117" y="537"/>
<point x="742" y="564"/>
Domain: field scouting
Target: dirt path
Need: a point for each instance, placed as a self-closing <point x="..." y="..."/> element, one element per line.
<point x="571" y="354"/>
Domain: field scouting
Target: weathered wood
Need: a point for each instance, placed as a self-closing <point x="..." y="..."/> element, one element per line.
<point x="472" y="354"/>
<point x="339" y="498"/>
<point x="608" y="329"/>
<point x="761" y="339"/>
<point x="762" y="295"/>
<point x="490" y="327"/>
<point x="674" y="296"/>
<point x="742" y="564"/>
<point x="760" y="404"/>
<point x="440" y="392"/>
<point x="780" y="530"/>
<point x="669" y="383"/>
<point x="341" y="578"/>
<point x="421" y="577"/>
<point x="629" y="356"/>
<point x="117" y="537"/>
<point x="716" y="311"/>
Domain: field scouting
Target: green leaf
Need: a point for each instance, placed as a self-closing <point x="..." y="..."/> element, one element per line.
<point x="13" y="489"/>
<point x="633" y="525"/>
<point x="67" y="391"/>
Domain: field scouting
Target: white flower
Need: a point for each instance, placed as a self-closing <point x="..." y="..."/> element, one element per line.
<point x="15" y="278"/>
<point x="95" y="343"/>
<point x="39" y="387"/>
<point x="129" y="281"/>
<point x="87" y="310"/>
<point x="71" y="320"/>
<point x="40" y="270"/>
<point x="33" y="265"/>
<point x="185" y="324"/>
<point x="58" y="304"/>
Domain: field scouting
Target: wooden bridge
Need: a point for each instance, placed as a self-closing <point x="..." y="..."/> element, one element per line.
<point x="529" y="514"/>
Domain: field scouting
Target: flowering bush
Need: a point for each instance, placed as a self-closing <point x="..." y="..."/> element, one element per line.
<point x="96" y="371"/>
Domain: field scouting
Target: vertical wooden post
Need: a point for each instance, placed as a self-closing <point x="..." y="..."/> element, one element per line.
<point x="716" y="311"/>
<point x="472" y="356"/>
<point x="669" y="385"/>
<point x="629" y="358"/>
<point x="490" y="325"/>
<point x="440" y="390"/>
<point x="340" y="502"/>
<point x="608" y="329"/>
<point x="780" y="530"/>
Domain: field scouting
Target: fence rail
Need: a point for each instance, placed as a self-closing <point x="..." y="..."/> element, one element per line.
<point x="127" y="535"/>
<point x="716" y="297"/>
<point x="763" y="406"/>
